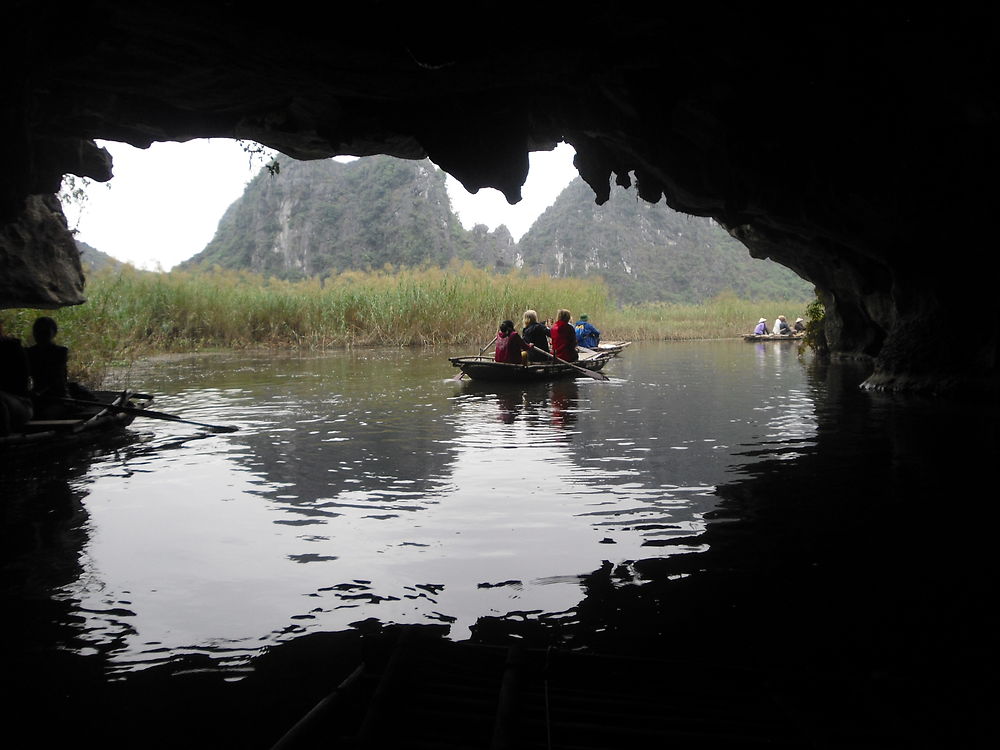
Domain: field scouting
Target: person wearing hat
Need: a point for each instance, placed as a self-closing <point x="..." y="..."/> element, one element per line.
<point x="761" y="329"/>
<point x="586" y="334"/>
<point x="800" y="326"/>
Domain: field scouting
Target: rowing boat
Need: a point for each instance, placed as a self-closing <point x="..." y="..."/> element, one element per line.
<point x="772" y="337"/>
<point x="606" y="347"/>
<point x="480" y="367"/>
<point x="81" y="423"/>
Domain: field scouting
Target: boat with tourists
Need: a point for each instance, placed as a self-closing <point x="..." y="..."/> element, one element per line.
<point x="484" y="367"/>
<point x="773" y="337"/>
<point x="111" y="412"/>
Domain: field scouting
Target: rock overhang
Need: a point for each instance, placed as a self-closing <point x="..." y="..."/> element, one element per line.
<point x="858" y="146"/>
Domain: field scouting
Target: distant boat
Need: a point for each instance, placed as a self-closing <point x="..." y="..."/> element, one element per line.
<point x="773" y="337"/>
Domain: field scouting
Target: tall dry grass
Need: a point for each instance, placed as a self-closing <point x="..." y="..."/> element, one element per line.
<point x="724" y="316"/>
<point x="132" y="314"/>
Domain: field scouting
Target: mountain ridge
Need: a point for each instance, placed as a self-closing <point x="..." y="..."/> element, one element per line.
<point x="323" y="217"/>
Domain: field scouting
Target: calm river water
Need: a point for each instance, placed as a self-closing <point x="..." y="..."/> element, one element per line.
<point x="369" y="487"/>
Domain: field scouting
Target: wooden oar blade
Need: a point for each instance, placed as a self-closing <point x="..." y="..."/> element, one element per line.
<point x="589" y="373"/>
<point x="150" y="414"/>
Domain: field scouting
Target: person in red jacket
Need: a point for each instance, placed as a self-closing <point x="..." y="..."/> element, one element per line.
<point x="509" y="344"/>
<point x="564" y="337"/>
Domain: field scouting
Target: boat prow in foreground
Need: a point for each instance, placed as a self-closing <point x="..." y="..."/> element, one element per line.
<point x="80" y="424"/>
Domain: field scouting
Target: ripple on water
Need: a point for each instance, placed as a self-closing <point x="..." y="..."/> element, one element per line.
<point x="357" y="489"/>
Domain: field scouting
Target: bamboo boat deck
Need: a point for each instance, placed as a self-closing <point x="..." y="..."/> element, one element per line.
<point x="86" y="424"/>
<point x="437" y="694"/>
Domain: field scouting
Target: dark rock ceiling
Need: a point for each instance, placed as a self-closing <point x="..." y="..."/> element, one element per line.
<point x="855" y="144"/>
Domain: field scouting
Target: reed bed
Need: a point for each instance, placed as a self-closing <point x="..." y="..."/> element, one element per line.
<point x="724" y="316"/>
<point x="132" y="314"/>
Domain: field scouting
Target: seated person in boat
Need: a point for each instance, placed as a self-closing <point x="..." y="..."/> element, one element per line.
<point x="800" y="326"/>
<point x="761" y="329"/>
<point x="564" y="337"/>
<point x="15" y="401"/>
<point x="535" y="334"/>
<point x="587" y="335"/>
<point x="781" y="326"/>
<point x="47" y="361"/>
<point x="509" y="344"/>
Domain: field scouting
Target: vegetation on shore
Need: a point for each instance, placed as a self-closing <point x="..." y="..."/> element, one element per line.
<point x="130" y="314"/>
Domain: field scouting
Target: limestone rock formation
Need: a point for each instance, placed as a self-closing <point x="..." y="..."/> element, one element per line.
<point x="846" y="141"/>
<point x="320" y="217"/>
<point x="647" y="252"/>
<point x="494" y="249"/>
<point x="39" y="261"/>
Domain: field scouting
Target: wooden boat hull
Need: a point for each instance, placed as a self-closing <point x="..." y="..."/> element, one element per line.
<point x="83" y="425"/>
<point x="607" y="347"/>
<point x="484" y="368"/>
<point x="772" y="337"/>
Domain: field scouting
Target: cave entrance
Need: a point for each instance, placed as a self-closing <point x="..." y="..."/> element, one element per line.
<point x="164" y="203"/>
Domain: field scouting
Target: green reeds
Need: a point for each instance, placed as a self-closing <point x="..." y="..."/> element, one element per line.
<point x="724" y="316"/>
<point x="131" y="314"/>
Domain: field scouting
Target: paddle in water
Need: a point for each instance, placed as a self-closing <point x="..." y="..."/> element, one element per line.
<point x="584" y="370"/>
<point x="149" y="413"/>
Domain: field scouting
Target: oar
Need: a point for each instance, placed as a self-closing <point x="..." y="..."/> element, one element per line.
<point x="584" y="370"/>
<point x="149" y="413"/>
<point x="462" y="373"/>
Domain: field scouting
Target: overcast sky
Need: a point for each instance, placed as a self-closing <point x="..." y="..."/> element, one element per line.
<point x="164" y="203"/>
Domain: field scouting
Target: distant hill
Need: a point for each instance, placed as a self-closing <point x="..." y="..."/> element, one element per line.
<point x="93" y="260"/>
<point x="649" y="252"/>
<point x="322" y="217"/>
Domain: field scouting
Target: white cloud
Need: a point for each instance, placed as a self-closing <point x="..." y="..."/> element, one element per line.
<point x="549" y="172"/>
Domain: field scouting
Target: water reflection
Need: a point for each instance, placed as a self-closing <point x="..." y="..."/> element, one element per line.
<point x="557" y="400"/>
<point x="719" y="501"/>
<point x="364" y="486"/>
<point x="53" y="644"/>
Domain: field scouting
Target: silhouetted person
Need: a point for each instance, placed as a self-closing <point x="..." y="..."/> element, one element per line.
<point x="47" y="361"/>
<point x="15" y="400"/>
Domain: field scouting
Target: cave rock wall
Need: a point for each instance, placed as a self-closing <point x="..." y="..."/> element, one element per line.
<point x="856" y="144"/>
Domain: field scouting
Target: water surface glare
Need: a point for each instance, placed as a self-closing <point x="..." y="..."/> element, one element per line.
<point x="368" y="484"/>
